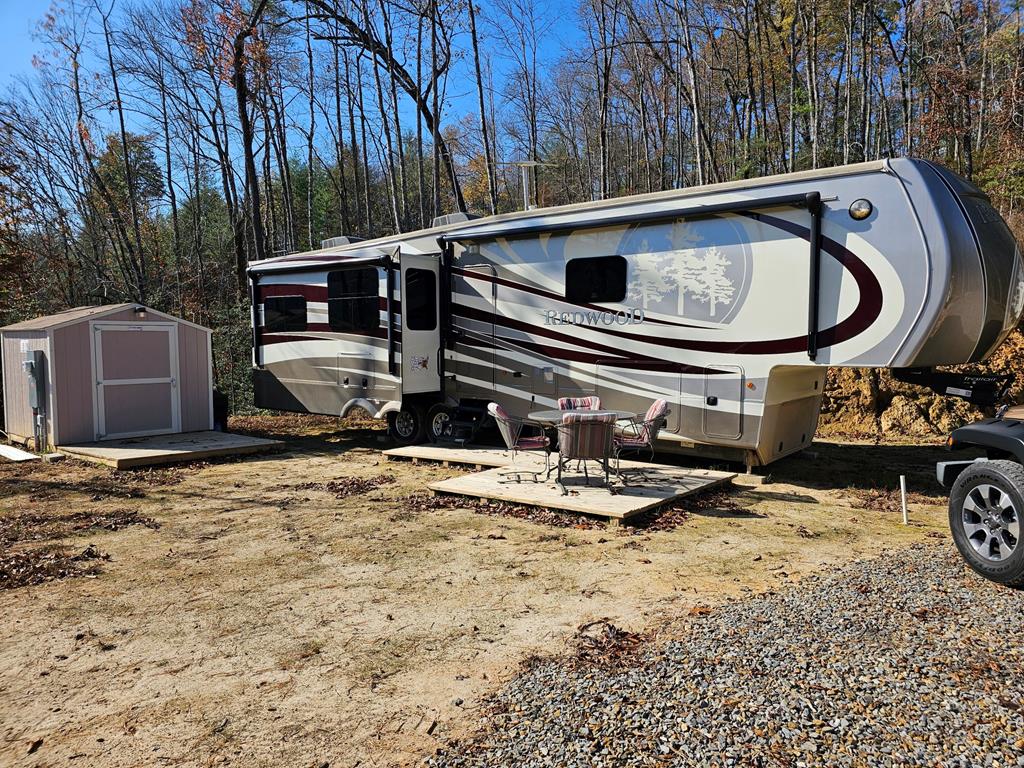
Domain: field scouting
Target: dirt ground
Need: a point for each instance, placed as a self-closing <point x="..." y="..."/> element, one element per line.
<point x="312" y="607"/>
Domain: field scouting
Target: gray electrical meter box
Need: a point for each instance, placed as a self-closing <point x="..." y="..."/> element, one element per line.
<point x="35" y="369"/>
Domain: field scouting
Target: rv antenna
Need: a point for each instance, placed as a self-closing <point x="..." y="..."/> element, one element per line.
<point x="524" y="169"/>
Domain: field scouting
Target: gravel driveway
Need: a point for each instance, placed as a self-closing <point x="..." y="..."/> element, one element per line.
<point x="903" y="660"/>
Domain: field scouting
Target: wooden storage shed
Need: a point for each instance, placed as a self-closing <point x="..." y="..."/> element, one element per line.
<point x="110" y="372"/>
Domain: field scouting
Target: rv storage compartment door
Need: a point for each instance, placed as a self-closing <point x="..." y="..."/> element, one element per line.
<point x="421" y="334"/>
<point x="723" y="402"/>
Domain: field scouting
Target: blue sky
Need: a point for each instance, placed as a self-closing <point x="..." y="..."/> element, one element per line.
<point x="18" y="18"/>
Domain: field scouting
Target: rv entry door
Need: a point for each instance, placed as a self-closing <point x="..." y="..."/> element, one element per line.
<point x="421" y="334"/>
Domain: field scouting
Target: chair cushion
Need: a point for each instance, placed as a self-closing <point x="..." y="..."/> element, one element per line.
<point x="657" y="410"/>
<point x="591" y="402"/>
<point x="497" y="411"/>
<point x="575" y="417"/>
<point x="532" y="443"/>
<point x="586" y="435"/>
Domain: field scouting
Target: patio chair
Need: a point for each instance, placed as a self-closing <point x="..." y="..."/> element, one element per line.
<point x="584" y="437"/>
<point x="638" y="435"/>
<point x="589" y="403"/>
<point x="511" y="429"/>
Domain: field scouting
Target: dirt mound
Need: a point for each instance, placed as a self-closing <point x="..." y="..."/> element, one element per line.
<point x="870" y="404"/>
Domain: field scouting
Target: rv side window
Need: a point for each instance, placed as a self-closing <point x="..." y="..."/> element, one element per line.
<point x="419" y="304"/>
<point x="284" y="313"/>
<point x="352" y="303"/>
<point x="602" y="278"/>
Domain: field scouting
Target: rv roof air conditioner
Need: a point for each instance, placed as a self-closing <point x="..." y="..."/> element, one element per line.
<point x="452" y="218"/>
<point x="337" y="242"/>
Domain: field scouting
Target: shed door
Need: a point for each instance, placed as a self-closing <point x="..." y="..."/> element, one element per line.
<point x="136" y="379"/>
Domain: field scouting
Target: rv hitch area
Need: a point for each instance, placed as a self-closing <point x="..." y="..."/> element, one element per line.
<point x="318" y="606"/>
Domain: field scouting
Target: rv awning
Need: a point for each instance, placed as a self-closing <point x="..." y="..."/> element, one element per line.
<point x="317" y="260"/>
<point x="669" y="210"/>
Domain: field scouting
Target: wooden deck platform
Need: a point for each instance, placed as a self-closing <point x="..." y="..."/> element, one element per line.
<point x="660" y="485"/>
<point x="167" y="449"/>
<point x="472" y="456"/>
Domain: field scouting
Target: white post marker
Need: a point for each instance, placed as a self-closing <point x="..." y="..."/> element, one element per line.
<point x="903" y="498"/>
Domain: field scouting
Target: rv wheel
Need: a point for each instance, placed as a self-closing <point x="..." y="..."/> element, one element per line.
<point x="439" y="423"/>
<point x="406" y="426"/>
<point x="986" y="517"/>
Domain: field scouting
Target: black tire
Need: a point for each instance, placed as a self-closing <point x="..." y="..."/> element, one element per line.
<point x="439" y="424"/>
<point x="406" y="426"/>
<point x="986" y="518"/>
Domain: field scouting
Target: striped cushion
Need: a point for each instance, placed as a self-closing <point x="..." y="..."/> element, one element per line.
<point x="585" y="435"/>
<point x="652" y="419"/>
<point x="532" y="443"/>
<point x="592" y="403"/>
<point x="503" y="420"/>
<point x="511" y="432"/>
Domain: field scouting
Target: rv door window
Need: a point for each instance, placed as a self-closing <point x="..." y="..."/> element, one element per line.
<point x="284" y="313"/>
<point x="602" y="278"/>
<point x="352" y="301"/>
<point x="419" y="305"/>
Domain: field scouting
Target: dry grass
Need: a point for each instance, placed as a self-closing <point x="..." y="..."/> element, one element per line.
<point x="313" y="606"/>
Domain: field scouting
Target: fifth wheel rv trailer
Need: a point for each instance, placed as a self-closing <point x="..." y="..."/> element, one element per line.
<point x="730" y="301"/>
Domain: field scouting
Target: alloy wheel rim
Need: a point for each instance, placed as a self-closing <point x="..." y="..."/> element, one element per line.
<point x="991" y="522"/>
<point x="405" y="423"/>
<point x="440" y="424"/>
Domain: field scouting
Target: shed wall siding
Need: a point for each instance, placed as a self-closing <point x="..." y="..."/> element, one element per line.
<point x="72" y="351"/>
<point x="194" y="383"/>
<point x="17" y="413"/>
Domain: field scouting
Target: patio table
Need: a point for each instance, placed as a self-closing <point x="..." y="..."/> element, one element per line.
<point x="554" y="416"/>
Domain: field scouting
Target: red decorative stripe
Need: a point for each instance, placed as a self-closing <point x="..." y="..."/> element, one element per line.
<point x="268" y="338"/>
<point x="868" y="308"/>
<point x="308" y="292"/>
<point x="549" y="295"/>
<point x="612" y="355"/>
<point x="311" y="293"/>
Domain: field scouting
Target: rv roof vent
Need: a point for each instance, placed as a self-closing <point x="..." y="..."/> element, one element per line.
<point x="335" y="242"/>
<point x="452" y="218"/>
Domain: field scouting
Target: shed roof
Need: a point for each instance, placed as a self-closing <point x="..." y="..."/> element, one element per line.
<point x="69" y="316"/>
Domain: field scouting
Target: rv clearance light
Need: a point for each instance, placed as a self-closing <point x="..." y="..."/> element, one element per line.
<point x="860" y="209"/>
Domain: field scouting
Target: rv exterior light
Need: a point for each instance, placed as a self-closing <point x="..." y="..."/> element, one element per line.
<point x="140" y="312"/>
<point x="861" y="209"/>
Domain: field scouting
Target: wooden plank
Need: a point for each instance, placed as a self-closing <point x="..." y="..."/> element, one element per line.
<point x="11" y="453"/>
<point x="449" y="455"/>
<point x="665" y="484"/>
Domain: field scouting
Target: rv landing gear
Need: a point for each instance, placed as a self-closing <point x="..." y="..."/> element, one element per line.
<point x="440" y="427"/>
<point x="406" y="426"/>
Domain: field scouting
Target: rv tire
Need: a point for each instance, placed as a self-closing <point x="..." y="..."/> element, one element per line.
<point x="439" y="423"/>
<point x="406" y="425"/>
<point x="986" y="518"/>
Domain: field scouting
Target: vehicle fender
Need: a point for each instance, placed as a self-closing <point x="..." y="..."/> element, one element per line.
<point x="1004" y="436"/>
<point x="370" y="407"/>
<point x="946" y="472"/>
<point x="391" y="406"/>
